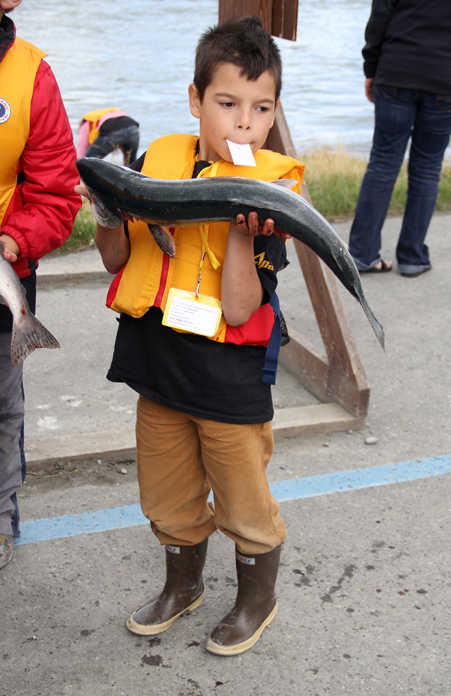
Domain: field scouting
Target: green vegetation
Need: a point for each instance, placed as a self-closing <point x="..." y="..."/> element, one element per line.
<point x="333" y="179"/>
<point x="83" y="232"/>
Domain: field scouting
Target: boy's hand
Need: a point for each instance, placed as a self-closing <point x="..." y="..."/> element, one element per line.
<point x="252" y="227"/>
<point x="102" y="215"/>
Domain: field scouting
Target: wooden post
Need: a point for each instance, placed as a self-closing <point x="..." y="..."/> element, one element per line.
<point x="279" y="17"/>
<point x="340" y="377"/>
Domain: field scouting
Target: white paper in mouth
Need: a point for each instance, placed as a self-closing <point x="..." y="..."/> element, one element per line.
<point x="241" y="154"/>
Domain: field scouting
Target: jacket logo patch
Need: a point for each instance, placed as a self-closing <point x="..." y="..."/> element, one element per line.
<point x="5" y="110"/>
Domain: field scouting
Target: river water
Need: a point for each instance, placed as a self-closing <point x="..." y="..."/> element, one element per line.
<point x="139" y="56"/>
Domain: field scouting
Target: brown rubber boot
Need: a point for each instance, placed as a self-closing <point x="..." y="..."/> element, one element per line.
<point x="183" y="591"/>
<point x="255" y="605"/>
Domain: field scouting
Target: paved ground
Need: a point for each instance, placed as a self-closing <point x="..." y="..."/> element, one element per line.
<point x="364" y="587"/>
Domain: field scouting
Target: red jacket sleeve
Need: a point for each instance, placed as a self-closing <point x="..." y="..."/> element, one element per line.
<point x="41" y="214"/>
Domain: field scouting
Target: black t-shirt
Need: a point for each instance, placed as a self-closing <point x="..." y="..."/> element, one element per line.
<point x="191" y="373"/>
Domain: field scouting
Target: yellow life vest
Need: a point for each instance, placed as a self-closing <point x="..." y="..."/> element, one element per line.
<point x="149" y="274"/>
<point x="17" y="75"/>
<point x="93" y="118"/>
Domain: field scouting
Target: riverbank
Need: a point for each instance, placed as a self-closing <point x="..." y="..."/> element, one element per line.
<point x="333" y="178"/>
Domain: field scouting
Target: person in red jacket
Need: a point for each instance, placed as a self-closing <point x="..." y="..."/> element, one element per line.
<point x="37" y="211"/>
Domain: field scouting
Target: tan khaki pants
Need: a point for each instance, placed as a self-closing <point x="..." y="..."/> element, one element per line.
<point x="181" y="458"/>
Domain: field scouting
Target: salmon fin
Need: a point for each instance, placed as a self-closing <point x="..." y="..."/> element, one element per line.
<point x="28" y="336"/>
<point x="163" y="238"/>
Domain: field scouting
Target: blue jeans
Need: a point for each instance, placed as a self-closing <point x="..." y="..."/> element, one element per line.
<point x="12" y="459"/>
<point x="12" y="455"/>
<point x="401" y="114"/>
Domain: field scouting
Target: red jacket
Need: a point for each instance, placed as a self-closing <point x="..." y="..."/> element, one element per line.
<point x="41" y="213"/>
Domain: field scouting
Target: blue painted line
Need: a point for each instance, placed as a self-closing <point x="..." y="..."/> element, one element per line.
<point x="291" y="489"/>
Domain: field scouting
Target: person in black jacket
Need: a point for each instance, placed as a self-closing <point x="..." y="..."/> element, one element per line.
<point x="407" y="64"/>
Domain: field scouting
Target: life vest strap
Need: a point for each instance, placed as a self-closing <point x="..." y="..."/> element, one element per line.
<point x="269" y="369"/>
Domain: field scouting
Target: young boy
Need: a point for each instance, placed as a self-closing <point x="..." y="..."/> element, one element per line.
<point x="204" y="413"/>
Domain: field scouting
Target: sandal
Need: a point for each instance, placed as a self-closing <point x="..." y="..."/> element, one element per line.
<point x="382" y="268"/>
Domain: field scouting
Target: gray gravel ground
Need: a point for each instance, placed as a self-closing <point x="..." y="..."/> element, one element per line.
<point x="364" y="587"/>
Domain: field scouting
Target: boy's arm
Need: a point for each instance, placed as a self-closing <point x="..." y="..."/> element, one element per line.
<point x="114" y="247"/>
<point x="241" y="289"/>
<point x="111" y="240"/>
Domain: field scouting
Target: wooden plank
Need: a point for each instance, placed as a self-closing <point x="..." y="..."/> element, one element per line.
<point x="314" y="419"/>
<point x="285" y="19"/>
<point x="279" y="138"/>
<point x="346" y="381"/>
<point x="234" y="9"/>
<point x="300" y="359"/>
<point x="278" y="17"/>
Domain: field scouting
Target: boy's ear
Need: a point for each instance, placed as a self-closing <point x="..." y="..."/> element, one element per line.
<point x="194" y="100"/>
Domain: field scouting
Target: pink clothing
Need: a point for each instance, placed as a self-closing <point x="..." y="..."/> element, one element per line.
<point x="83" y="139"/>
<point x="83" y="131"/>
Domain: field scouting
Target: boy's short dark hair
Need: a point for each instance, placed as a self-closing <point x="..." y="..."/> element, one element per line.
<point x="242" y="42"/>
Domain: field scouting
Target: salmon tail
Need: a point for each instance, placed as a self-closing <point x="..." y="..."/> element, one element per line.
<point x="28" y="336"/>
<point x="375" y="324"/>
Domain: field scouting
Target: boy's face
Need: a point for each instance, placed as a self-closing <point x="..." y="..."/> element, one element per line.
<point x="233" y="108"/>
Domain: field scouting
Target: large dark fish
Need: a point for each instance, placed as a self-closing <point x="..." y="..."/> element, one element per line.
<point x="223" y="198"/>
<point x="27" y="333"/>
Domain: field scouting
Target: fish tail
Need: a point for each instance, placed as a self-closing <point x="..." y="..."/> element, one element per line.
<point x="375" y="323"/>
<point x="29" y="335"/>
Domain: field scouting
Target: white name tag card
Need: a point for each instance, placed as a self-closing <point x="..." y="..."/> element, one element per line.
<point x="199" y="314"/>
<point x="241" y="154"/>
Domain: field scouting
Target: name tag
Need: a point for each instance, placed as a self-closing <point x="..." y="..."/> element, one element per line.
<point x="199" y="314"/>
<point x="241" y="154"/>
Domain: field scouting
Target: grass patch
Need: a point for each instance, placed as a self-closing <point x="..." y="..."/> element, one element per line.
<point x="83" y="231"/>
<point x="333" y="179"/>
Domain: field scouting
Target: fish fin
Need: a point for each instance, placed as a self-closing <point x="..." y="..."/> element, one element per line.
<point x="29" y="335"/>
<point x="286" y="183"/>
<point x="163" y="238"/>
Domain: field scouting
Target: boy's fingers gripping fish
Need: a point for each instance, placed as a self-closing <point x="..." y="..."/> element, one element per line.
<point x="223" y="198"/>
<point x="28" y="333"/>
